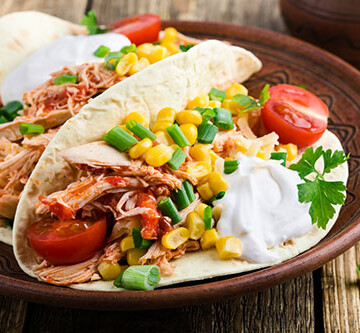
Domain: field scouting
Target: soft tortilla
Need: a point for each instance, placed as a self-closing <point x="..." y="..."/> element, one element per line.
<point x="170" y="83"/>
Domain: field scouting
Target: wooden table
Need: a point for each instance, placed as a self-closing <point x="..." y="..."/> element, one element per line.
<point x="328" y="299"/>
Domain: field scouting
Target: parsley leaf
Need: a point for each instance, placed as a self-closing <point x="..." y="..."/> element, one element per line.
<point x="251" y="104"/>
<point x="185" y="48"/>
<point x="321" y="193"/>
<point x="301" y="86"/>
<point x="90" y="21"/>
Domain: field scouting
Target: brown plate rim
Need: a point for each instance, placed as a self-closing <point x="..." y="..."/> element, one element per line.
<point x="209" y="290"/>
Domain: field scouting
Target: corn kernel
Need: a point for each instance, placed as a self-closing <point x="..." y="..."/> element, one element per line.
<point x="161" y="125"/>
<point x="125" y="63"/>
<point x="290" y="149"/>
<point x="163" y="137"/>
<point x="189" y="117"/>
<point x="200" y="170"/>
<point x="170" y="34"/>
<point x="201" y="101"/>
<point x="174" y="147"/>
<point x="166" y="114"/>
<point x="261" y="154"/>
<point x="133" y="256"/>
<point x="228" y="247"/>
<point x="171" y="47"/>
<point x="138" y="117"/>
<point x="158" y="155"/>
<point x="213" y="156"/>
<point x="216" y="213"/>
<point x="236" y="89"/>
<point x="208" y="239"/>
<point x="195" y="224"/>
<point x="190" y="132"/>
<point x="174" y="238"/>
<point x="234" y="107"/>
<point x="144" y="50"/>
<point x="199" y="209"/>
<point x="205" y="191"/>
<point x="217" y="182"/>
<point x="127" y="243"/>
<point x="214" y="104"/>
<point x="200" y="152"/>
<point x="109" y="270"/>
<point x="140" y="148"/>
<point x="138" y="66"/>
<point x="159" y="53"/>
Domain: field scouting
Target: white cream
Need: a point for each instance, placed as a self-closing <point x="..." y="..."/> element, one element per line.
<point x="261" y="208"/>
<point x="65" y="51"/>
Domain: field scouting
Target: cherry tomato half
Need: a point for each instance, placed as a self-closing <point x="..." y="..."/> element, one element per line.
<point x="295" y="114"/>
<point x="139" y="29"/>
<point x="67" y="242"/>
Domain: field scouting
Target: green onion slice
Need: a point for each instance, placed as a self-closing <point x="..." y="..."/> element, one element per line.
<point x="67" y="78"/>
<point x="128" y="49"/>
<point x="181" y="198"/>
<point x="178" y="157"/>
<point x="3" y="120"/>
<point x="207" y="217"/>
<point x="223" y="119"/>
<point x="217" y="95"/>
<point x="26" y="129"/>
<point x="140" y="277"/>
<point x="218" y="196"/>
<point x="139" y="242"/>
<point x="168" y="208"/>
<point x="189" y="191"/>
<point x="230" y="166"/>
<point x="185" y="48"/>
<point x="118" y="280"/>
<point x="208" y="114"/>
<point x="206" y="133"/>
<point x="139" y="130"/>
<point x="10" y="110"/>
<point x="112" y="59"/>
<point x="177" y="135"/>
<point x="101" y="51"/>
<point x="120" y="139"/>
<point x="281" y="156"/>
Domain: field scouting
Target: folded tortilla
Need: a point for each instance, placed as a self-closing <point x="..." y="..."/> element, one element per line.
<point x="169" y="83"/>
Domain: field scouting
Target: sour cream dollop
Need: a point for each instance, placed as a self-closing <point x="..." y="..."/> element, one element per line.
<point x="65" y="51"/>
<point x="261" y="208"/>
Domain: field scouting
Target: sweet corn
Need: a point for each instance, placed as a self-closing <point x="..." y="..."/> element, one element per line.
<point x="195" y="224"/>
<point x="138" y="66"/>
<point x="200" y="170"/>
<point x="163" y="137"/>
<point x="133" y="256"/>
<point x="213" y="156"/>
<point x="171" y="47"/>
<point x="216" y="213"/>
<point x="189" y="117"/>
<point x="140" y="148"/>
<point x="170" y="34"/>
<point x="234" y="107"/>
<point x="161" y="126"/>
<point x="109" y="270"/>
<point x="291" y="150"/>
<point x="214" y="104"/>
<point x="190" y="132"/>
<point x="236" y="89"/>
<point x="261" y="154"/>
<point x="166" y="114"/>
<point x="199" y="209"/>
<point x="228" y="247"/>
<point x="174" y="238"/>
<point x="125" y="63"/>
<point x="201" y="101"/>
<point x="125" y="129"/>
<point x="158" y="155"/>
<point x="205" y="191"/>
<point x="138" y="117"/>
<point x="174" y="147"/>
<point x="208" y="239"/>
<point x="127" y="243"/>
<point x="200" y="152"/>
<point x="217" y="182"/>
<point x="152" y="52"/>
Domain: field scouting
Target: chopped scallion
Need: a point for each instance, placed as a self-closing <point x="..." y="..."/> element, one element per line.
<point x="223" y="119"/>
<point x="10" y="110"/>
<point x="139" y="277"/>
<point x="168" y="208"/>
<point x="279" y="155"/>
<point x="178" y="157"/>
<point x="67" y="78"/>
<point x="128" y="49"/>
<point x="230" y="166"/>
<point x="101" y="51"/>
<point x="181" y="198"/>
<point x="208" y="114"/>
<point x="118" y="280"/>
<point x="201" y="110"/>
<point x="207" y="217"/>
<point x="185" y="48"/>
<point x="26" y="129"/>
<point x="217" y="95"/>
<point x="218" y="196"/>
<point x="139" y="130"/>
<point x="177" y="135"/>
<point x="120" y="139"/>
<point x="112" y="59"/>
<point x="189" y="191"/>
<point x="139" y="242"/>
<point x="3" y="120"/>
<point x="206" y="133"/>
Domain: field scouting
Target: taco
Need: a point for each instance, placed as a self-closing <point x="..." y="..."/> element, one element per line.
<point x="49" y="69"/>
<point x="208" y="191"/>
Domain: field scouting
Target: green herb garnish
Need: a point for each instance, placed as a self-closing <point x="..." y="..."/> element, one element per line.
<point x="67" y="78"/>
<point x="217" y="95"/>
<point x="90" y="21"/>
<point x="251" y="104"/>
<point x="185" y="48"/>
<point x="128" y="49"/>
<point x="101" y="51"/>
<point x="358" y="270"/>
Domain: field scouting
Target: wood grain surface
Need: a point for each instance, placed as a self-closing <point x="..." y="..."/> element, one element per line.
<point x="327" y="299"/>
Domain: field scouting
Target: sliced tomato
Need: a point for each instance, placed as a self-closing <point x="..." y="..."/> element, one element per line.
<point x="139" y="29"/>
<point x="67" y="242"/>
<point x="150" y="217"/>
<point x="295" y="114"/>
